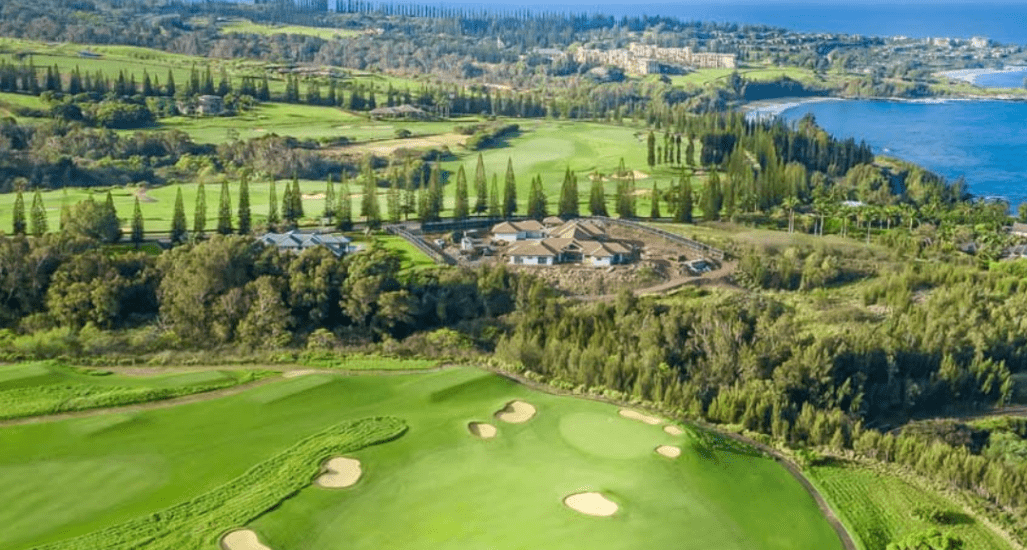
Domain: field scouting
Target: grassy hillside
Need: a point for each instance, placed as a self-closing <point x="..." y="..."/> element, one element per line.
<point x="436" y="486"/>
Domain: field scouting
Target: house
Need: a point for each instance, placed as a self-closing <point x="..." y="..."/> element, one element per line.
<point x="1018" y="229"/>
<point x="581" y="230"/>
<point x="297" y="241"/>
<point x="602" y="254"/>
<point x="518" y="231"/>
<point x="210" y="105"/>
<point x="532" y="253"/>
<point x="553" y="221"/>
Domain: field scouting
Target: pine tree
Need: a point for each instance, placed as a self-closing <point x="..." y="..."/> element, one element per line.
<point x="19" y="214"/>
<point x="495" y="210"/>
<point x="245" y="219"/>
<point x="373" y="214"/>
<point x="288" y="215"/>
<point x="654" y="212"/>
<point x="38" y="220"/>
<point x="170" y="86"/>
<point x="200" y="212"/>
<point x="536" y="199"/>
<point x="344" y="210"/>
<point x="297" y="198"/>
<point x="650" y="156"/>
<point x="435" y="191"/>
<point x="272" y="209"/>
<point x="509" y="190"/>
<point x="329" y="211"/>
<point x="393" y="199"/>
<point x="225" y="211"/>
<point x="460" y="206"/>
<point x="178" y="219"/>
<point x="597" y="197"/>
<point x="569" y="195"/>
<point x="137" y="224"/>
<point x="713" y="198"/>
<point x="683" y="210"/>
<point x="480" y="187"/>
<point x="110" y="218"/>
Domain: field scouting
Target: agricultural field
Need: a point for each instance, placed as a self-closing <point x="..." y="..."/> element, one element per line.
<point x="455" y="458"/>
<point x="40" y="388"/>
<point x="878" y="508"/>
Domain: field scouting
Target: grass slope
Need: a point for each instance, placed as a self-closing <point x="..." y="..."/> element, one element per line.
<point x="243" y="26"/>
<point x="37" y="389"/>
<point x="436" y="486"/>
<point x="878" y="509"/>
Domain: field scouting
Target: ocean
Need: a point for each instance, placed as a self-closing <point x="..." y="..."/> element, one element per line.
<point x="983" y="141"/>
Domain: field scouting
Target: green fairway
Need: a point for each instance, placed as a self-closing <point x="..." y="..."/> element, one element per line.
<point x="878" y="508"/>
<point x="437" y="486"/>
<point x="243" y="26"/>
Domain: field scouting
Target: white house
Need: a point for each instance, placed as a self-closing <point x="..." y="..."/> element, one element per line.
<point x="532" y="253"/>
<point x="518" y="231"/>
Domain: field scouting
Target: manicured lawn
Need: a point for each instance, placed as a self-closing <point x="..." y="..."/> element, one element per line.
<point x="248" y="27"/>
<point x="436" y="486"/>
<point x="878" y="508"/>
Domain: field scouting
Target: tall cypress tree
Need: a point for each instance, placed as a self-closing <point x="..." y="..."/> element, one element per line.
<point x="329" y="212"/>
<point x="536" y="199"/>
<point x="650" y="156"/>
<point x="393" y="199"/>
<point x="712" y="197"/>
<point x="178" y="219"/>
<point x="18" y="225"/>
<point x="569" y="195"/>
<point x="509" y="190"/>
<point x="225" y="211"/>
<point x="288" y="214"/>
<point x="344" y="210"/>
<point x="597" y="197"/>
<point x="297" y="198"/>
<point x="480" y="187"/>
<point x="460" y="206"/>
<point x="654" y="211"/>
<point x="38" y="220"/>
<point x="200" y="211"/>
<point x="110" y="218"/>
<point x="137" y="224"/>
<point x="245" y="219"/>
<point x="272" y="208"/>
<point x="495" y="209"/>
<point x="373" y="214"/>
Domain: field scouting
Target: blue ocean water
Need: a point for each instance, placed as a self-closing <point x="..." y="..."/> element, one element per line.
<point x="1010" y="79"/>
<point x="983" y="141"/>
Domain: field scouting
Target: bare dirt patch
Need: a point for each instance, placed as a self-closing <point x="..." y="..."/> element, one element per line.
<point x="298" y="373"/>
<point x="668" y="451"/>
<point x="340" y="472"/>
<point x="317" y="196"/>
<point x="516" y="412"/>
<point x="591" y="504"/>
<point x="482" y="430"/>
<point x="386" y="147"/>
<point x="635" y="415"/>
<point x="673" y="430"/>
<point x="242" y="539"/>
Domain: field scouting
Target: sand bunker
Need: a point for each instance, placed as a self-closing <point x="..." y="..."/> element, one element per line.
<point x="298" y="373"/>
<point x="242" y="539"/>
<point x="668" y="451"/>
<point x="340" y="472"/>
<point x="592" y="504"/>
<point x="516" y="412"/>
<point x="634" y="415"/>
<point x="673" y="430"/>
<point x="482" y="430"/>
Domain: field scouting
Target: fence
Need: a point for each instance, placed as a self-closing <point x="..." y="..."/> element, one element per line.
<point x="435" y="254"/>
<point x="705" y="249"/>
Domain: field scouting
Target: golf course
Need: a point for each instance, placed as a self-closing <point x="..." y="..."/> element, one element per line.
<point x="453" y="457"/>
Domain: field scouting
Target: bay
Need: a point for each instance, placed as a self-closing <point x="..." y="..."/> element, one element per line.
<point x="983" y="141"/>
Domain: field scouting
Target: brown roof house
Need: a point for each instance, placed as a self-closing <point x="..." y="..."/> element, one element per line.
<point x="518" y="231"/>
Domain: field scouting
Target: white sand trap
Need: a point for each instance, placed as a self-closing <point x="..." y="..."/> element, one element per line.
<point x="635" y="415"/>
<point x="516" y="412"/>
<point x="668" y="451"/>
<point x="673" y="430"/>
<point x="242" y="539"/>
<point x="482" y="430"/>
<point x="340" y="472"/>
<point x="298" y="373"/>
<point x="592" y="504"/>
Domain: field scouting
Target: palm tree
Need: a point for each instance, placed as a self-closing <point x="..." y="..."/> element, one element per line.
<point x="790" y="203"/>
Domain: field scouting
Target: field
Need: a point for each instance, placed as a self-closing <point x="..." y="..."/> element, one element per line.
<point x="435" y="486"/>
<point x="247" y="27"/>
<point x="878" y="508"/>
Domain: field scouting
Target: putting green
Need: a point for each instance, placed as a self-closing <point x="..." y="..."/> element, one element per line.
<point x="436" y="486"/>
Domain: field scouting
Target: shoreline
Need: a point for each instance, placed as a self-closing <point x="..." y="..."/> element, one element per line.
<point x="773" y="108"/>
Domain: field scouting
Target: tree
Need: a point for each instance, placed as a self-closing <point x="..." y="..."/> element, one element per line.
<point x="329" y="211"/>
<point x="225" y="211"/>
<point x="272" y="209"/>
<point x="713" y="198"/>
<point x="460" y="207"/>
<point x="509" y="190"/>
<point x="178" y="219"/>
<point x="569" y="195"/>
<point x="495" y="210"/>
<point x="650" y="156"/>
<point x="597" y="197"/>
<point x="373" y="212"/>
<point x="392" y="200"/>
<point x="536" y="199"/>
<point x="690" y="151"/>
<point x="19" y="214"/>
<point x="137" y="224"/>
<point x="683" y="212"/>
<point x="344" y="210"/>
<point x="92" y="221"/>
<point x="38" y="219"/>
<point x="480" y="187"/>
<point x="297" y="198"/>
<point x="200" y="211"/>
<point x="654" y="211"/>
<point x="288" y="214"/>
<point x="245" y="221"/>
